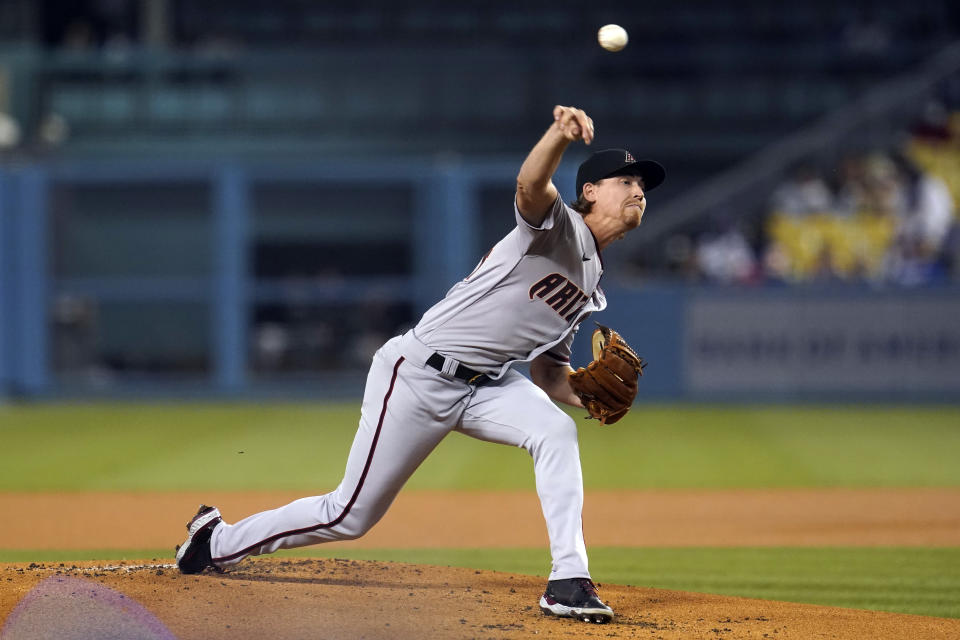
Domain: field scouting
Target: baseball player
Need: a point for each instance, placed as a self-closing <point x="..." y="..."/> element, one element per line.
<point x="454" y="371"/>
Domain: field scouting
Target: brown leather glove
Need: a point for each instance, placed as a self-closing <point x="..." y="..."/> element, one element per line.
<point x="608" y="385"/>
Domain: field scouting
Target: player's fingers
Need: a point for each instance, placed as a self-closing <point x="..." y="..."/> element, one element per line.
<point x="574" y="123"/>
<point x="578" y="123"/>
<point x="586" y="125"/>
<point x="567" y="123"/>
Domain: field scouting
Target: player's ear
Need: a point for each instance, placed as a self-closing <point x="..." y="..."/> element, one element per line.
<point x="590" y="192"/>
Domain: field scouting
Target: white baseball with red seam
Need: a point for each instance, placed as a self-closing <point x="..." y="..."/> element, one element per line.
<point x="612" y="37"/>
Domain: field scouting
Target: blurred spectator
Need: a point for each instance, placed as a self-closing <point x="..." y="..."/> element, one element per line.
<point x="803" y="193"/>
<point x="869" y="184"/>
<point x="681" y="258"/>
<point x="724" y="255"/>
<point x="882" y="192"/>
<point x="927" y="209"/>
<point x="911" y="263"/>
<point x="850" y="184"/>
<point x="885" y="218"/>
<point x="271" y="344"/>
<point x="890" y="223"/>
<point x="924" y="220"/>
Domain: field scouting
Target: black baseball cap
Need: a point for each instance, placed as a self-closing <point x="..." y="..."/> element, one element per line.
<point x="619" y="162"/>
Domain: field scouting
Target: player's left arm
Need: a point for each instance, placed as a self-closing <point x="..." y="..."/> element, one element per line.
<point x="554" y="378"/>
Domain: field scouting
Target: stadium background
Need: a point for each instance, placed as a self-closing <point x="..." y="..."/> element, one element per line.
<point x="252" y="199"/>
<point x="237" y="202"/>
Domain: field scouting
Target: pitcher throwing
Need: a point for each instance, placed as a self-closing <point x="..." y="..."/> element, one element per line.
<point x="454" y="371"/>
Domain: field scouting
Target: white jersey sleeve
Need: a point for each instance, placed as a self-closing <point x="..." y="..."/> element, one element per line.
<point x="554" y="215"/>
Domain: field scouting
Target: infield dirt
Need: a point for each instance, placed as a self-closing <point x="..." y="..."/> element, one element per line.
<point x="346" y="600"/>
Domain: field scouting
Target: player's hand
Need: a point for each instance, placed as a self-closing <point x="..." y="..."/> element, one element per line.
<point x="573" y="123"/>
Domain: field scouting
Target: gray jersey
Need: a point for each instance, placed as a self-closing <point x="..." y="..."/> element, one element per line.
<point x="525" y="298"/>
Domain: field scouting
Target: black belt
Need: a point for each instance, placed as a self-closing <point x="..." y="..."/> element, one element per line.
<point x="466" y="374"/>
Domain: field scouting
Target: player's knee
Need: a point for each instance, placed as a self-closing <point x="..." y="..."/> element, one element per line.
<point x="558" y="432"/>
<point x="350" y="534"/>
<point x="361" y="525"/>
<point x="562" y="426"/>
<point x="356" y="525"/>
<point x="351" y="530"/>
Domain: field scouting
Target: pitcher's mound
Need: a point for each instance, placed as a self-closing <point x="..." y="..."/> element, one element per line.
<point x="277" y="599"/>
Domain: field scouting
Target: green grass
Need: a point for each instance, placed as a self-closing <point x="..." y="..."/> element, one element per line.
<point x="283" y="446"/>
<point x="905" y="580"/>
<point x="303" y="447"/>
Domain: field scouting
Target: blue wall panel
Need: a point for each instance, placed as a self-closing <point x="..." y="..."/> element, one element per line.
<point x="651" y="320"/>
<point x="5" y="284"/>
<point x="231" y="217"/>
<point x="32" y="273"/>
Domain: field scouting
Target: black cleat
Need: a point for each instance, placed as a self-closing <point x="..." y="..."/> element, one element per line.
<point x="193" y="556"/>
<point x="575" y="598"/>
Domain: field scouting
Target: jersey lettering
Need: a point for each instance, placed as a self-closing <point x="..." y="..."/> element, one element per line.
<point x="577" y="305"/>
<point x="580" y="297"/>
<point x="560" y="299"/>
<point x="546" y="285"/>
<point x="564" y="298"/>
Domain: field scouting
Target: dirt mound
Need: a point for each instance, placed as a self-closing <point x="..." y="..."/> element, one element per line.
<point x="346" y="600"/>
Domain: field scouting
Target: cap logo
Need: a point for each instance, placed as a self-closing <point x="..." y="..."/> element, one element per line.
<point x="629" y="157"/>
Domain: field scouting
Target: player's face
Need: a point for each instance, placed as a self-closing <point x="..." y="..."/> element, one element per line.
<point x="622" y="197"/>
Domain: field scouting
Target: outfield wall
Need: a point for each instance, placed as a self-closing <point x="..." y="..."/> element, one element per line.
<point x="839" y="343"/>
<point x="158" y="279"/>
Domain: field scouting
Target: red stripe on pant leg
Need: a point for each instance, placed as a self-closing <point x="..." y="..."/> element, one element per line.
<point x="353" y="498"/>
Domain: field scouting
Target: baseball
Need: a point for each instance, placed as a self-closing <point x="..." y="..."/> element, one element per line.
<point x="612" y="37"/>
